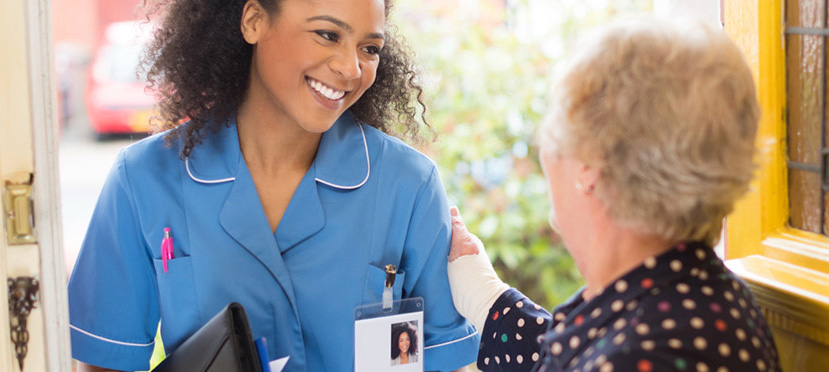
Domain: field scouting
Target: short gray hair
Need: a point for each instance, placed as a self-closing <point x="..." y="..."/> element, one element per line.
<point x="669" y="113"/>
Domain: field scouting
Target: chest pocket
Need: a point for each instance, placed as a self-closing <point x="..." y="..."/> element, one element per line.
<point x="376" y="282"/>
<point x="177" y="300"/>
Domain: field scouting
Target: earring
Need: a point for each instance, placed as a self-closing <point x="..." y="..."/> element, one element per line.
<point x="579" y="186"/>
<point x="587" y="190"/>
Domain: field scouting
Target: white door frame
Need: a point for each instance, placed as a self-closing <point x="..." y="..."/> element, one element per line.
<point x="31" y="136"/>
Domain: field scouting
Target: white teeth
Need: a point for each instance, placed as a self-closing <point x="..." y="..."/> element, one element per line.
<point x="325" y="90"/>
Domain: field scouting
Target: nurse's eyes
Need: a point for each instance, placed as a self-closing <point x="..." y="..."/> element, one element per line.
<point x="328" y="35"/>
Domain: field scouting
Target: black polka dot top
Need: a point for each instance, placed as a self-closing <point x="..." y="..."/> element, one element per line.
<point x="680" y="311"/>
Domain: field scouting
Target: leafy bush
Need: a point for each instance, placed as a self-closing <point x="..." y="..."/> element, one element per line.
<point x="487" y="66"/>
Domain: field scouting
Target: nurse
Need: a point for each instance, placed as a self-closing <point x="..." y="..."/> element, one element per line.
<point x="281" y="191"/>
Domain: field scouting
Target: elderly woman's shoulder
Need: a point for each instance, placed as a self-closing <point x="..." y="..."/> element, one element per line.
<point x="706" y="322"/>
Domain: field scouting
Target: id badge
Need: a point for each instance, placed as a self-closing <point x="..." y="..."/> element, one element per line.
<point x="388" y="336"/>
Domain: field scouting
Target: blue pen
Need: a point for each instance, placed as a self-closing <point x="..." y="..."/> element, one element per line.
<point x="262" y="350"/>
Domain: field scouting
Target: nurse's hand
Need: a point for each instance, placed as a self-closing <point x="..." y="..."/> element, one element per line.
<point x="475" y="285"/>
<point x="464" y="243"/>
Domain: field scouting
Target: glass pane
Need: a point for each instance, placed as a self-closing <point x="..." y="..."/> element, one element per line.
<point x="804" y="81"/>
<point x="805" y="13"/>
<point x="804" y="202"/>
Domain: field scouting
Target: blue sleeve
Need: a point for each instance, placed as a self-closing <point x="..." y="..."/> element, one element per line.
<point x="113" y="298"/>
<point x="451" y="342"/>
<point x="510" y="340"/>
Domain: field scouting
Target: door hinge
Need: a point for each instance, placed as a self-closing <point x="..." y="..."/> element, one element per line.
<point x="18" y="209"/>
<point x="23" y="297"/>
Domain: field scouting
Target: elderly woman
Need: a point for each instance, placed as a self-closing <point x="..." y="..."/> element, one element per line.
<point x="650" y="142"/>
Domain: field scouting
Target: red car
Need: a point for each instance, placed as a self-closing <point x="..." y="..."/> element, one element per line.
<point x="116" y="100"/>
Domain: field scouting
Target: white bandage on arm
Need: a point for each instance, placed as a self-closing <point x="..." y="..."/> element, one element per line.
<point x="475" y="287"/>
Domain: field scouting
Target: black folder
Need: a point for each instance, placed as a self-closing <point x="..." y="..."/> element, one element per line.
<point x="224" y="344"/>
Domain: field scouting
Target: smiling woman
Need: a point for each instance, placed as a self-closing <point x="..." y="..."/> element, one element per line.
<point x="279" y="186"/>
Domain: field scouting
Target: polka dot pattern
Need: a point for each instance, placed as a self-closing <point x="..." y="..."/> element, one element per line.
<point x="683" y="306"/>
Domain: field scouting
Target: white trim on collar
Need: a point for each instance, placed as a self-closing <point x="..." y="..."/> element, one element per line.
<point x="368" y="167"/>
<point x="187" y="165"/>
<point x="228" y="179"/>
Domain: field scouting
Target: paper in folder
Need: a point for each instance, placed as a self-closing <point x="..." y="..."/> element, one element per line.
<point x="224" y="344"/>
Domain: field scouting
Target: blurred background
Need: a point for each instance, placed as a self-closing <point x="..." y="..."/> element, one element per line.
<point x="486" y="69"/>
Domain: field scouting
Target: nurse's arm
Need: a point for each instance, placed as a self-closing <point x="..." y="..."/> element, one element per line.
<point x="83" y="367"/>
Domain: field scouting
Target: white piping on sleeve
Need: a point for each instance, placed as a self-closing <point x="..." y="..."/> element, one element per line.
<point x="187" y="165"/>
<point x="450" y="342"/>
<point x="110" y="341"/>
<point x="368" y="164"/>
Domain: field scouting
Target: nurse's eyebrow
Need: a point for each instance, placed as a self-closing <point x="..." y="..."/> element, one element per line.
<point x="344" y="26"/>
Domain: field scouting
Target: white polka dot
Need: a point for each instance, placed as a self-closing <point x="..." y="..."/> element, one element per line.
<point x="519" y="304"/>
<point x="728" y="296"/>
<point x="708" y="291"/>
<point x="619" y="339"/>
<point x="689" y="304"/>
<point x="702" y="367"/>
<point x="722" y="369"/>
<point x="574" y="342"/>
<point x="682" y="288"/>
<point x="761" y="365"/>
<point x="601" y="359"/>
<point x="537" y="307"/>
<point x="744" y="356"/>
<point x="632" y="305"/>
<point x="497" y="360"/>
<point x="650" y="262"/>
<point x="621" y="286"/>
<point x="596" y="312"/>
<point x="519" y="359"/>
<point x="700" y="343"/>
<point x="506" y="357"/>
<point x="518" y="336"/>
<point x="591" y="334"/>
<point x="675" y="343"/>
<point x="735" y="285"/>
<point x="741" y="334"/>
<point x="724" y="349"/>
<point x="668" y="324"/>
<point x="495" y="335"/>
<point x="535" y="357"/>
<point x="697" y="322"/>
<point x="619" y="324"/>
<point x="742" y="303"/>
<point x="617" y="305"/>
<point x="486" y="360"/>
<point x="703" y="275"/>
<point x="734" y="313"/>
<point x="520" y="322"/>
<point x="753" y="314"/>
<point x="642" y="329"/>
<point x="559" y="328"/>
<point x="700" y="254"/>
<point x="539" y="320"/>
<point x="756" y="342"/>
<point x="648" y="345"/>
<point x="560" y="316"/>
<point x="506" y="310"/>
<point x="606" y="367"/>
<point x="555" y="348"/>
<point x="676" y="265"/>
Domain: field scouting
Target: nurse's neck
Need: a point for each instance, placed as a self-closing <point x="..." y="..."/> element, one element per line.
<point x="274" y="146"/>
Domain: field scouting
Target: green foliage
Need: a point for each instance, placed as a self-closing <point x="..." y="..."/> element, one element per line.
<point x="487" y="67"/>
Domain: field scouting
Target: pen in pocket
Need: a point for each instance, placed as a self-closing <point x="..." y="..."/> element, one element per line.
<point x="166" y="247"/>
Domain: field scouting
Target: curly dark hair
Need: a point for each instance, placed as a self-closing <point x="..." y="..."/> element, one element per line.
<point x="198" y="64"/>
<point x="396" y="331"/>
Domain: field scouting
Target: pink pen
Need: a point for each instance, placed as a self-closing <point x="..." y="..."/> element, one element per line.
<point x="166" y="247"/>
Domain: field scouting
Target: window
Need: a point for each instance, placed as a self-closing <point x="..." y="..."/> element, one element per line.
<point x="805" y="44"/>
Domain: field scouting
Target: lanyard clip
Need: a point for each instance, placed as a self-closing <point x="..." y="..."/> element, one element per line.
<point x="391" y="272"/>
<point x="388" y="296"/>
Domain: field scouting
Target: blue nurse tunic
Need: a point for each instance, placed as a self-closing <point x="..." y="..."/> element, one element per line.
<point x="367" y="201"/>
